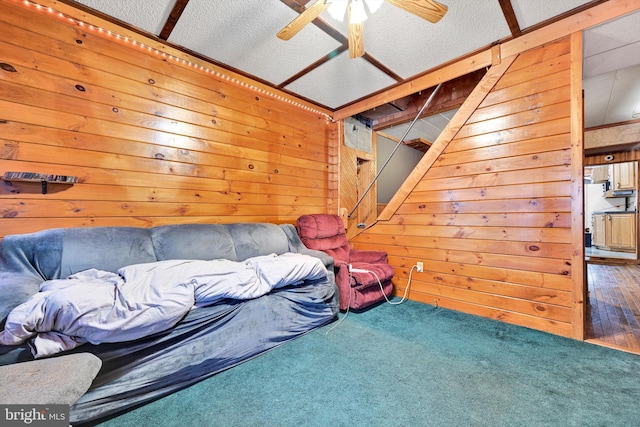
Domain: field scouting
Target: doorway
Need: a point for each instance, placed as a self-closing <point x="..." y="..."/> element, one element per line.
<point x="611" y="256"/>
<point x="610" y="85"/>
<point x="365" y="173"/>
<point x="611" y="207"/>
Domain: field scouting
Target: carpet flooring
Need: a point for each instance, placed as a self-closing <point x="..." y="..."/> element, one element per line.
<point x="413" y="365"/>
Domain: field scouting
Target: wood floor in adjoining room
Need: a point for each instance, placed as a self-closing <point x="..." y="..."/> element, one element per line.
<point x="613" y="314"/>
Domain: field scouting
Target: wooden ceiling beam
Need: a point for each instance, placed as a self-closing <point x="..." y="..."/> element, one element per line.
<point x="299" y="6"/>
<point x="565" y="24"/>
<point x="419" y="144"/>
<point x="577" y="19"/>
<point x="450" y="71"/>
<point x="451" y="95"/>
<point x="510" y="16"/>
<point x="172" y="20"/>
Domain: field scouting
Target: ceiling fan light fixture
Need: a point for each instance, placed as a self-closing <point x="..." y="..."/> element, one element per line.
<point x="338" y="9"/>
<point x="357" y="14"/>
<point x="373" y="5"/>
<point x="430" y="10"/>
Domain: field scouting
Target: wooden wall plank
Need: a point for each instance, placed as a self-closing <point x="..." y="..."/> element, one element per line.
<point x="543" y="174"/>
<point x="552" y="112"/>
<point x="533" y="71"/>
<point x="539" y="190"/>
<point x="529" y="234"/>
<point x="546" y="98"/>
<point x="107" y="209"/>
<point x="534" y="322"/>
<point x="580" y="288"/>
<point x="92" y="41"/>
<point x="526" y="293"/>
<point x="522" y="248"/>
<point x="532" y="146"/>
<point x="491" y="212"/>
<point x="531" y="88"/>
<point x="502" y="219"/>
<point x="152" y="140"/>
<point x="454" y="126"/>
<point x="472" y="271"/>
<point x="505" y="164"/>
<point x="209" y="165"/>
<point x="118" y="91"/>
<point x="555" y="128"/>
<point x="530" y="308"/>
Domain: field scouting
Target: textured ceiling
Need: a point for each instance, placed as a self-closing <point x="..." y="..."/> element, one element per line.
<point x="612" y="71"/>
<point x="314" y="64"/>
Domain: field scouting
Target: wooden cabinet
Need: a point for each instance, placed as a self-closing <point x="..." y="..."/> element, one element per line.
<point x="615" y="231"/>
<point x="623" y="176"/>
<point x="622" y="233"/>
<point x="597" y="174"/>
<point x="599" y="230"/>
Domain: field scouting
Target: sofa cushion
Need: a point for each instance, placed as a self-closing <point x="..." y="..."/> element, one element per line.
<point x="255" y="239"/>
<point x="37" y="254"/>
<point x="104" y="248"/>
<point x="193" y="241"/>
<point x="326" y="233"/>
<point x="320" y="226"/>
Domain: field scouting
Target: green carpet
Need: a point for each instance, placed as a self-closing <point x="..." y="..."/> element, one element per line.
<point x="413" y="365"/>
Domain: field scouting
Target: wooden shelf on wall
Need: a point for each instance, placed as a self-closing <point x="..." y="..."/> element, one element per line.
<point x="43" y="179"/>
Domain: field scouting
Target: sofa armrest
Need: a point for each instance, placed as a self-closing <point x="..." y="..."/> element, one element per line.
<point x="296" y="245"/>
<point x="326" y="259"/>
<point x="370" y="256"/>
<point x="56" y="380"/>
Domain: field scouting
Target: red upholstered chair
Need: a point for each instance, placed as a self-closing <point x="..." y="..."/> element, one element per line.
<point x="357" y="290"/>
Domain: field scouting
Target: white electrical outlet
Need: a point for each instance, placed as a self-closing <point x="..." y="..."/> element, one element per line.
<point x="419" y="267"/>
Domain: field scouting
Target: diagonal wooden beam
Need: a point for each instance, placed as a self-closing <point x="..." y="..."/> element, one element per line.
<point x="468" y="107"/>
<point x="510" y="16"/>
<point x="451" y="95"/>
<point x="172" y="20"/>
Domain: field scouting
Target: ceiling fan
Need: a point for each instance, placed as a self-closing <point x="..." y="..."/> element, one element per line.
<point x="430" y="10"/>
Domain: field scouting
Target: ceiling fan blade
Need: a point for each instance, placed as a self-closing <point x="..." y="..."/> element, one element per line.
<point x="310" y="13"/>
<point x="430" y="10"/>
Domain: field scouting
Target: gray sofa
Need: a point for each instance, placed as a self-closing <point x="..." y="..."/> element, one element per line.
<point x="206" y="341"/>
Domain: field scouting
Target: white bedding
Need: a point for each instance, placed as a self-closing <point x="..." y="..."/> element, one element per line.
<point x="97" y="306"/>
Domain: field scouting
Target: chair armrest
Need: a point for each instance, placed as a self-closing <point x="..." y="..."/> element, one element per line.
<point x="371" y="257"/>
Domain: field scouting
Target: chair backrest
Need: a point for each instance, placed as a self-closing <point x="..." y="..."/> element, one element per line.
<point x="325" y="232"/>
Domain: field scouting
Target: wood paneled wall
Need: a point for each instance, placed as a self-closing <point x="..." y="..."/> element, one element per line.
<point x="488" y="210"/>
<point x="357" y="171"/>
<point x="152" y="140"/>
